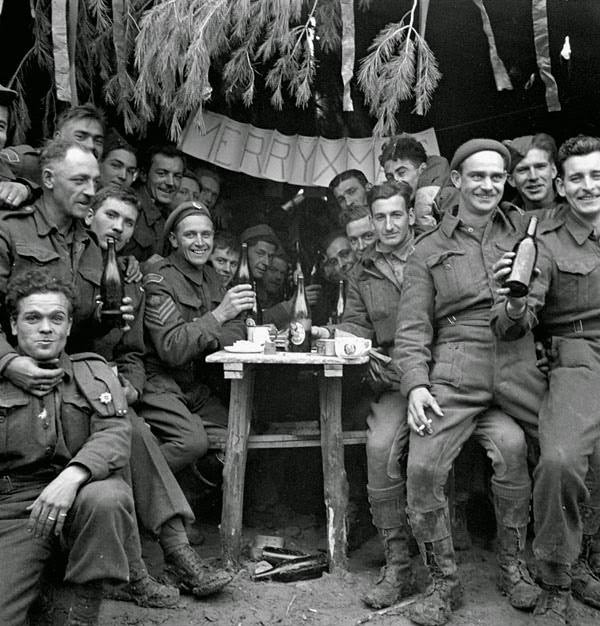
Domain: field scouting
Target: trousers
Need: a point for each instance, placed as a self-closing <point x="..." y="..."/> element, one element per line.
<point x="569" y="438"/>
<point x="480" y="385"/>
<point x="96" y="530"/>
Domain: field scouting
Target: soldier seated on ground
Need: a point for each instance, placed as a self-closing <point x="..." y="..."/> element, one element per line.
<point x="60" y="455"/>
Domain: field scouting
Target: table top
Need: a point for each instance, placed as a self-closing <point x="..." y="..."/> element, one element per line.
<point x="283" y="358"/>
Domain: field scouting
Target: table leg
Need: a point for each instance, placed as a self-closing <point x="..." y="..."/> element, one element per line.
<point x="238" y="429"/>
<point x="335" y="484"/>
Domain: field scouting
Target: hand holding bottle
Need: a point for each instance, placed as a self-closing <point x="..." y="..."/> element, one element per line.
<point x="502" y="269"/>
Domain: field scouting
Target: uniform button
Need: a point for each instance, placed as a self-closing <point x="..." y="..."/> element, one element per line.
<point x="45" y="425"/>
<point x="48" y="451"/>
<point x="469" y="230"/>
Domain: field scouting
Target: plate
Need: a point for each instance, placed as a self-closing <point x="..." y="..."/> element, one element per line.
<point x="244" y="347"/>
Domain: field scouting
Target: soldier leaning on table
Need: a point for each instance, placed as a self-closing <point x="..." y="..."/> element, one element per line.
<point x="60" y="452"/>
<point x="452" y="368"/>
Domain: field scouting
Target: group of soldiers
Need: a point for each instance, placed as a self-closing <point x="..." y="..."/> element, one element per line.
<point x="88" y="450"/>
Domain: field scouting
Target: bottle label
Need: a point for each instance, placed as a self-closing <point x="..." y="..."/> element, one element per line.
<point x="297" y="333"/>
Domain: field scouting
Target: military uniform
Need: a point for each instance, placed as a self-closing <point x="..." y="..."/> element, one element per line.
<point x="566" y="297"/>
<point x="148" y="236"/>
<point x="81" y="421"/>
<point x="181" y="331"/>
<point x="444" y="342"/>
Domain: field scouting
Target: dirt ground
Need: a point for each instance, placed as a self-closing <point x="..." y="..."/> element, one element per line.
<point x="293" y="509"/>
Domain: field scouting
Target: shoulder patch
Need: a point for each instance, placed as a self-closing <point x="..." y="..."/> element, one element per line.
<point x="152" y="278"/>
<point x="99" y="385"/>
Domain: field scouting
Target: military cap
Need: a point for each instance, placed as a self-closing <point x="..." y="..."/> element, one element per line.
<point x="520" y="146"/>
<point x="260" y="232"/>
<point x="184" y="210"/>
<point x="471" y="147"/>
<point x="7" y="96"/>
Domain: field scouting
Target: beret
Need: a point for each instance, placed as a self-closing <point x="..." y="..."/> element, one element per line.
<point x="520" y="146"/>
<point x="182" y="211"/>
<point x="261" y="232"/>
<point x="471" y="147"/>
<point x="7" y="96"/>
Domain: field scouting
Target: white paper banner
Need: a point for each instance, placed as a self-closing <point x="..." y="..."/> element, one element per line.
<point x="295" y="159"/>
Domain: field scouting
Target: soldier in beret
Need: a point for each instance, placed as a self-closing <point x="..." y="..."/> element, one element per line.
<point x="60" y="452"/>
<point x="452" y="368"/>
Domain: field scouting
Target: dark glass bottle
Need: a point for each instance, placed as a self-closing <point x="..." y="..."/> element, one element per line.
<point x="524" y="262"/>
<point x="300" y="323"/>
<point x="254" y="315"/>
<point x="340" y="304"/>
<point x="242" y="276"/>
<point x="111" y="287"/>
<point x="301" y="568"/>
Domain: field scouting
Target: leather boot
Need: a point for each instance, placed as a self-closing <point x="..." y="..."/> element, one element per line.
<point x="85" y="604"/>
<point x="444" y="594"/>
<point x="585" y="584"/>
<point x="514" y="580"/>
<point x="555" y="605"/>
<point x="395" y="579"/>
<point x="186" y="570"/>
<point x="143" y="590"/>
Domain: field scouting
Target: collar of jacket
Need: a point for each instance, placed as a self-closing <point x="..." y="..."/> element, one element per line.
<point x="370" y="255"/>
<point x="188" y="270"/>
<point x="450" y="220"/>
<point x="43" y="227"/>
<point x="578" y="229"/>
<point x="151" y="210"/>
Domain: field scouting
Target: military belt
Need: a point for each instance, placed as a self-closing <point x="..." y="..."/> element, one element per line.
<point x="574" y="327"/>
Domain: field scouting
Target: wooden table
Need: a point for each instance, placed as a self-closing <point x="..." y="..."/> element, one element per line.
<point x="240" y="369"/>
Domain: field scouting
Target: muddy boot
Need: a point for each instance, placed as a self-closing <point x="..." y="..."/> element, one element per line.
<point x="584" y="584"/>
<point x="85" y="604"/>
<point x="555" y="605"/>
<point x="395" y="579"/>
<point x="143" y="590"/>
<point x="515" y="581"/>
<point x="444" y="594"/>
<point x="186" y="570"/>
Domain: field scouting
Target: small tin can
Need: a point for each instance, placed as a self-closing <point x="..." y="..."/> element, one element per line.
<point x="326" y="347"/>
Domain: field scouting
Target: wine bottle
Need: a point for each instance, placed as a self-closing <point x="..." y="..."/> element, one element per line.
<point x="523" y="262"/>
<point x="301" y="568"/>
<point x="340" y="304"/>
<point x="300" y="323"/>
<point x="254" y="315"/>
<point x="242" y="275"/>
<point x="111" y="286"/>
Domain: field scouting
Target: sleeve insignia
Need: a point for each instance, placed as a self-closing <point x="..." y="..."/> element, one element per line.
<point x="153" y="278"/>
<point x="159" y="309"/>
<point x="105" y="397"/>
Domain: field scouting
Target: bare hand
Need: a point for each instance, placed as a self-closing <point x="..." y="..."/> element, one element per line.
<point x="13" y="193"/>
<point x="25" y="373"/>
<point x="419" y="399"/>
<point x="127" y="313"/>
<point x="319" y="332"/>
<point x="501" y="269"/>
<point x="133" y="273"/>
<point x="131" y="394"/>
<point x="237" y="299"/>
<point x="313" y="292"/>
<point x="50" y="509"/>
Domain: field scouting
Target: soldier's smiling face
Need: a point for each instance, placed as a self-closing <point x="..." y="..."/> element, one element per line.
<point x="42" y="325"/>
<point x="119" y="168"/>
<point x="579" y="183"/>
<point x="114" y="219"/>
<point x="193" y="239"/>
<point x="164" y="178"/>
<point x="85" y="131"/>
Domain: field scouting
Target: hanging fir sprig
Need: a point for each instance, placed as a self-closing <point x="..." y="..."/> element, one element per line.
<point x="387" y="73"/>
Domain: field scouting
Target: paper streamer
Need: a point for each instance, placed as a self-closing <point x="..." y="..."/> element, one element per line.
<point x="347" y="7"/>
<point x="423" y="11"/>
<point x="541" y="39"/>
<point x="72" y="41"/>
<point x="60" y="50"/>
<point x="500" y="73"/>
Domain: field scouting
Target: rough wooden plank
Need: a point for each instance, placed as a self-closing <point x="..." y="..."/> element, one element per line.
<point x="290" y="440"/>
<point x="240" y="412"/>
<point x="335" y="484"/>
<point x="282" y="358"/>
<point x="334" y="370"/>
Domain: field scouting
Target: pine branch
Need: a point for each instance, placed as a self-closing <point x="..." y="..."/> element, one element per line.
<point x="329" y="25"/>
<point x="428" y="77"/>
